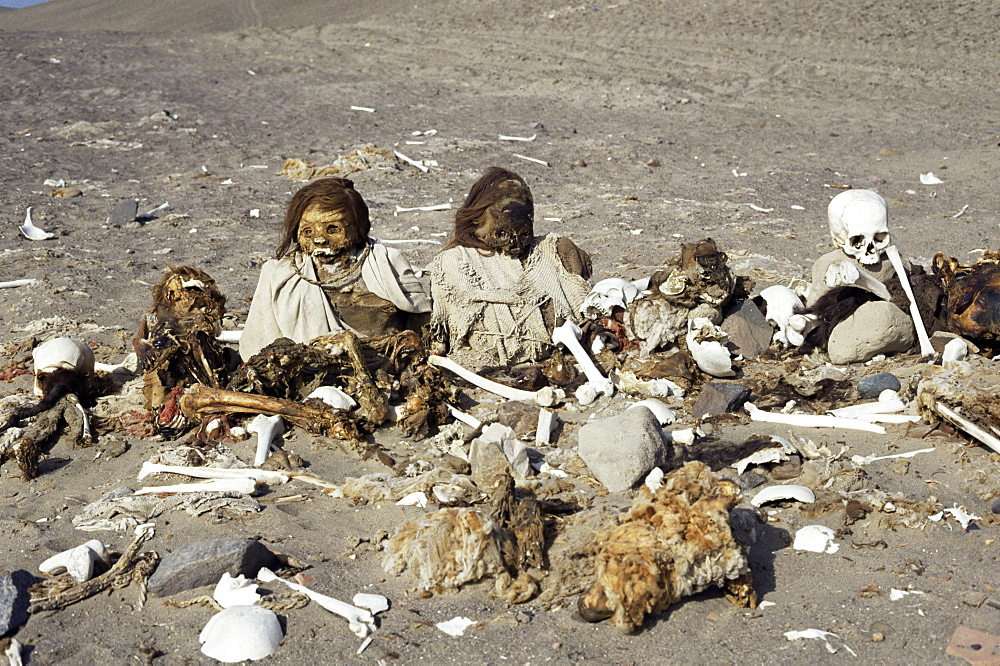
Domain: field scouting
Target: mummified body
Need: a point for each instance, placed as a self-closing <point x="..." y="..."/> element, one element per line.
<point x="673" y="543"/>
<point x="499" y="290"/>
<point x="973" y="294"/>
<point x="328" y="276"/>
<point x="177" y="341"/>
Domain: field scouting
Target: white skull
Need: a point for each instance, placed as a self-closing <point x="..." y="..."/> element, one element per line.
<point x="859" y="224"/>
<point x="606" y="295"/>
<point x="61" y="354"/>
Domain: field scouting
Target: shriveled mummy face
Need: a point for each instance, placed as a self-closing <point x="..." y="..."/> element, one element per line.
<point x="323" y="234"/>
<point x="508" y="225"/>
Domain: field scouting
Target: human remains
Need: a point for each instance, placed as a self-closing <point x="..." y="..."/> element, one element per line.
<point x="329" y="276"/>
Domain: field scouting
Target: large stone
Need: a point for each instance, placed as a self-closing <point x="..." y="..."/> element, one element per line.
<point x="876" y="327"/>
<point x="521" y="417"/>
<point x="484" y="462"/>
<point x="14" y="600"/>
<point x="719" y="398"/>
<point x="204" y="562"/>
<point x="748" y="330"/>
<point x="124" y="213"/>
<point x="621" y="451"/>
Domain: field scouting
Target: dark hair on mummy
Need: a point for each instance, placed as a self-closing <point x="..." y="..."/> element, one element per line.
<point x="484" y="193"/>
<point x="327" y="194"/>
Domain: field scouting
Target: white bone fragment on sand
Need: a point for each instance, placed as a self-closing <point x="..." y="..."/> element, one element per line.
<point x="531" y="159"/>
<point x="333" y="396"/>
<point x="958" y="513"/>
<point x="360" y="620"/>
<point x="818" y="634"/>
<point x="240" y="633"/>
<point x="504" y="137"/>
<point x="955" y="351"/>
<point x="709" y="354"/>
<point x="897" y="594"/>
<point x="656" y="388"/>
<point x="926" y="349"/>
<point x="261" y="475"/>
<point x="467" y="419"/>
<point x="772" y="454"/>
<point x="776" y="493"/>
<point x="654" y="479"/>
<point x="663" y="414"/>
<point x="888" y="402"/>
<point x="811" y="420"/>
<point x="78" y="562"/>
<point x="13" y="653"/>
<point x="418" y="498"/>
<point x="366" y="109"/>
<point x="237" y="591"/>
<point x="780" y="304"/>
<point x="815" y="539"/>
<point x="87" y="434"/>
<point x="568" y="335"/>
<point x="444" y="206"/>
<point x="12" y="284"/>
<point x="501" y="390"/>
<point x="266" y="428"/>
<point x="376" y="603"/>
<point x="456" y="626"/>
<point x="31" y="232"/>
<point x="968" y="426"/>
<point x="543" y="430"/>
<point x="230" y="336"/>
<point x="243" y="486"/>
<point x="930" y="179"/>
<point x="865" y="460"/>
<point x="686" y="436"/>
<point x="152" y="213"/>
<point x="411" y="162"/>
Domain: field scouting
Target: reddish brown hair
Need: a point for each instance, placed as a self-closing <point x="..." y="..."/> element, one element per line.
<point x="484" y="193"/>
<point x="327" y="194"/>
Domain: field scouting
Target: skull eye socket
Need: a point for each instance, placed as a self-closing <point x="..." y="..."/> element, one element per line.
<point x="856" y="242"/>
<point x="881" y="237"/>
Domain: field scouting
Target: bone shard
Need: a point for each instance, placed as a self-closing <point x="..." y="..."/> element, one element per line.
<point x="568" y="335"/>
<point x="242" y="486"/>
<point x="266" y="428"/>
<point x="261" y="475"/>
<point x="333" y="396"/>
<point x="361" y="621"/>
<point x="31" y="232"/>
<point x="811" y="420"/>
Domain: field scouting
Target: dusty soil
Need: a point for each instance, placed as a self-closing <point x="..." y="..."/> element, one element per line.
<point x="658" y="123"/>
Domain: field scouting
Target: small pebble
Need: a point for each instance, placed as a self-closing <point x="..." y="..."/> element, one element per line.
<point x="996" y="506"/>
<point x="877" y="637"/>
<point x="872" y="386"/>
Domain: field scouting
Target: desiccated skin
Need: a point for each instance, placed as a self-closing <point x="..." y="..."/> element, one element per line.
<point x="176" y="343"/>
<point x="973" y="295"/>
<point x="699" y="275"/>
<point x="673" y="542"/>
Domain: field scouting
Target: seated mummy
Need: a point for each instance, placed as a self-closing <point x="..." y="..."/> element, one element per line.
<point x="328" y="276"/>
<point x="499" y="290"/>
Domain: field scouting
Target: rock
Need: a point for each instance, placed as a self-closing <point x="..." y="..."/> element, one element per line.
<point x="788" y="469"/>
<point x="719" y="398"/>
<point x="204" y="562"/>
<point x="124" y="213"/>
<point x="748" y="330"/>
<point x="939" y="339"/>
<point x="487" y="461"/>
<point x="620" y="451"/>
<point x="996" y="506"/>
<point x="873" y="385"/>
<point x="515" y="452"/>
<point x="14" y="600"/>
<point x="876" y="327"/>
<point x="521" y="417"/>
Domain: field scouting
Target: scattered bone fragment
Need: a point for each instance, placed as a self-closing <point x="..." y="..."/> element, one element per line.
<point x="243" y="486"/>
<point x="786" y="492"/>
<point x="456" y="626"/>
<point x="205" y="472"/>
<point x="650" y="561"/>
<point x="267" y="428"/>
<point x="815" y="539"/>
<point x="12" y="284"/>
<point x="965" y="398"/>
<point x="360" y="621"/>
<point x="238" y="591"/>
<point x="811" y="420"/>
<point x="240" y="633"/>
<point x="31" y="232"/>
<point x="501" y="390"/>
<point x="13" y="653"/>
<point x="819" y="634"/>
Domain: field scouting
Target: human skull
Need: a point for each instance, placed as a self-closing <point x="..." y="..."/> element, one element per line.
<point x="323" y="234"/>
<point x="607" y="295"/>
<point x="859" y="224"/>
<point x="61" y="354"/>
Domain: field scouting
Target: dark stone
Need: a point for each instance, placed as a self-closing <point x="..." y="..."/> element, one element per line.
<point x="749" y="332"/>
<point x="14" y="600"/>
<point x="519" y="416"/>
<point x="124" y="213"/>
<point x="872" y="386"/>
<point x="719" y="398"/>
<point x="996" y="506"/>
<point x="788" y="469"/>
<point x="749" y="480"/>
<point x="204" y="562"/>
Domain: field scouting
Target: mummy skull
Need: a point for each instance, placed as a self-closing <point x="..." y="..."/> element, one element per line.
<point x="61" y="354"/>
<point x="859" y="224"/>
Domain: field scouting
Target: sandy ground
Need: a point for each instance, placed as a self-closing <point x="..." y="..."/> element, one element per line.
<point x="658" y="123"/>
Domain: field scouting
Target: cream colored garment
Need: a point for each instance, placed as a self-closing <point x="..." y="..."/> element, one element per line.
<point x="285" y="305"/>
<point x="491" y="305"/>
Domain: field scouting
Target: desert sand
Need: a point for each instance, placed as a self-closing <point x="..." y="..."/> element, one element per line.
<point x="651" y="124"/>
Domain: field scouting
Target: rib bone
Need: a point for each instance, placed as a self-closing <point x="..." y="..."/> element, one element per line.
<point x="568" y="335"/>
<point x="501" y="390"/>
<point x="926" y="349"/>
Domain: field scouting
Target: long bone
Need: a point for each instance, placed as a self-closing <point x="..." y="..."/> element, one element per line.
<point x="569" y="335"/>
<point x="266" y="428"/>
<point x="360" y="620"/>
<point x="501" y="390"/>
<point x="926" y="349"/>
